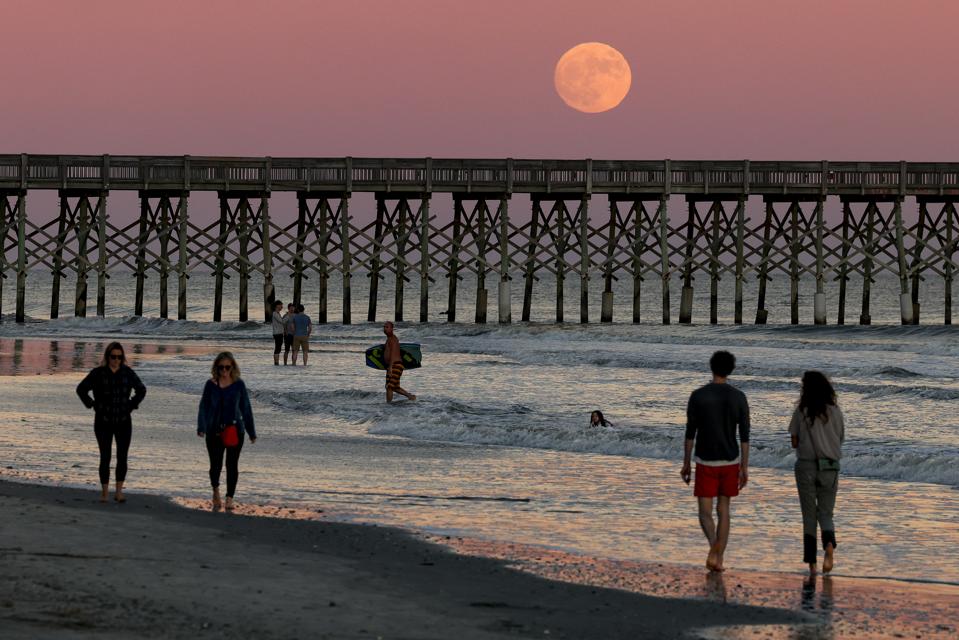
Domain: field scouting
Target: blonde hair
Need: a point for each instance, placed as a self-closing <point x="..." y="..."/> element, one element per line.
<point x="234" y="372"/>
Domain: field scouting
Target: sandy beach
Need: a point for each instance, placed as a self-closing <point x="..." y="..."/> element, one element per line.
<point x="73" y="568"/>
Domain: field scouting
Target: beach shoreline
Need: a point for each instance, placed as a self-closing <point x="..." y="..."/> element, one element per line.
<point x="76" y="569"/>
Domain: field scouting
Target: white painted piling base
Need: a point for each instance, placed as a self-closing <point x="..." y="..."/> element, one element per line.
<point x="505" y="308"/>
<point x="905" y="306"/>
<point x="819" y="308"/>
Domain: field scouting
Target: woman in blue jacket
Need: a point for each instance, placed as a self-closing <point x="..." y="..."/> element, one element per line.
<point x="224" y="418"/>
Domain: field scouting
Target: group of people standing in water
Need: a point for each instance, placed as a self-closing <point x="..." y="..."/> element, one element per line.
<point x="291" y="332"/>
<point x="716" y="414"/>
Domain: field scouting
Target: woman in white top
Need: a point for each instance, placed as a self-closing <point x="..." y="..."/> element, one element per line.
<point x="817" y="432"/>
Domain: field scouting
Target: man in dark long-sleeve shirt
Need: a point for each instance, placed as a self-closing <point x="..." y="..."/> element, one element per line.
<point x="713" y="415"/>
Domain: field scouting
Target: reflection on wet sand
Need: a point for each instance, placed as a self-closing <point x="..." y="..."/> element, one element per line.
<point x="842" y="607"/>
<point x="19" y="357"/>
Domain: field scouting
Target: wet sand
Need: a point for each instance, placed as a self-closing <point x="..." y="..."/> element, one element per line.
<point x="74" y="568"/>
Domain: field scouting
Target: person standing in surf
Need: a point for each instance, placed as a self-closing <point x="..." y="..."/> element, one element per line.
<point x="279" y="330"/>
<point x="117" y="391"/>
<point x="393" y="360"/>
<point x="302" y="328"/>
<point x="817" y="432"/>
<point x="224" y="418"/>
<point x="713" y="415"/>
<point x="288" y="329"/>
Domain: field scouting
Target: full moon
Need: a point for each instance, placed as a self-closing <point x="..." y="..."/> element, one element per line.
<point x="592" y="77"/>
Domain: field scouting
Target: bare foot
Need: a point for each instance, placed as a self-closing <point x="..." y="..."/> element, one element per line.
<point x="412" y="397"/>
<point x="827" y="560"/>
<point x="119" y="497"/>
<point x="812" y="569"/>
<point x="104" y="496"/>
<point x="714" y="561"/>
<point x="216" y="500"/>
<point x="229" y="504"/>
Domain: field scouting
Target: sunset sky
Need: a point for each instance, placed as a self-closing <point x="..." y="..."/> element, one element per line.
<point x="836" y="79"/>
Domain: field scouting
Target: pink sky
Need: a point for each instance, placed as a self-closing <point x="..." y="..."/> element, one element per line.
<point x="762" y="79"/>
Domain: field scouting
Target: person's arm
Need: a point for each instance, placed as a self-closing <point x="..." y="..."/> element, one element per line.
<point x="794" y="429"/>
<point x="201" y="425"/>
<point x="309" y="328"/>
<point x="744" y="444"/>
<point x="139" y="391"/>
<point x="686" y="472"/>
<point x="246" y="410"/>
<point x="84" y="388"/>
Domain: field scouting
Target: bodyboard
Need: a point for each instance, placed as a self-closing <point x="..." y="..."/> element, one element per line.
<point x="409" y="353"/>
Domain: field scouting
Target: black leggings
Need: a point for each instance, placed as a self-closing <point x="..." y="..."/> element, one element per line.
<point x="214" y="446"/>
<point x="277" y="343"/>
<point x="105" y="433"/>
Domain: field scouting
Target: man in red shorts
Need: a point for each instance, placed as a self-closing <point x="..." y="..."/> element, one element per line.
<point x="713" y="415"/>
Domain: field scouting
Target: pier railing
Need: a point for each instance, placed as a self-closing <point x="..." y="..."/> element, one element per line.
<point x="565" y="232"/>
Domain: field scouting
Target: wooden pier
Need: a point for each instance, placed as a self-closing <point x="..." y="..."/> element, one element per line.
<point x="588" y="219"/>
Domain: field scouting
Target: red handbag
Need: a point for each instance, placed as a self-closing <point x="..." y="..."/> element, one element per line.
<point x="230" y="436"/>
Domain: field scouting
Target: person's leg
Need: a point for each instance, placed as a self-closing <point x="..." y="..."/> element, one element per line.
<point x="232" y="472"/>
<point x="806" y="486"/>
<point x="277" y="347"/>
<point x="296" y="348"/>
<point x="306" y="350"/>
<point x="826" y="486"/>
<point x="287" y="343"/>
<point x="722" y="531"/>
<point x="124" y="434"/>
<point x="214" y="447"/>
<point x="104" y="443"/>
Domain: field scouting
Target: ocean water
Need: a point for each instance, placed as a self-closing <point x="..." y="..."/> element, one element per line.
<point x="498" y="446"/>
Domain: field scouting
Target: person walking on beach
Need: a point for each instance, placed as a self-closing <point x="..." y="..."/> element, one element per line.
<point x="288" y="329"/>
<point x="394" y="364"/>
<point x="302" y="328"/>
<point x="713" y="414"/>
<point x="117" y="391"/>
<point x="597" y="419"/>
<point x="817" y="432"/>
<point x="279" y="330"/>
<point x="224" y="418"/>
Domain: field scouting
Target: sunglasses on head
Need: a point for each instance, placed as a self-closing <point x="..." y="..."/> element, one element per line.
<point x="116" y="356"/>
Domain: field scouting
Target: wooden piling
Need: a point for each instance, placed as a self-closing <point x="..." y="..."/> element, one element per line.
<point x="917" y="258"/>
<point x="905" y="299"/>
<point x="559" y="209"/>
<point x="164" y="236"/>
<point x="844" y="263"/>
<point x="454" y="265"/>
<point x="322" y="263"/>
<point x="819" y="304"/>
<point x="183" y="220"/>
<point x="375" y="263"/>
<point x="762" y="314"/>
<point x="584" y="260"/>
<point x="947" y="272"/>
<point x="219" y="267"/>
<point x="504" y="301"/>
<point x="740" y="259"/>
<point x="82" y="260"/>
<point x="716" y="209"/>
<point x="266" y="248"/>
<point x="4" y="217"/>
<point x="242" y="212"/>
<point x="58" y="258"/>
<point x="101" y="255"/>
<point x="141" y="253"/>
<point x="482" y="300"/>
<point x="531" y="259"/>
<point x="424" y="237"/>
<point x="686" y="300"/>
<point x="662" y="216"/>
<point x="301" y="231"/>
<point x="21" y="258"/>
<point x="606" y="312"/>
<point x="864" y="317"/>
<point x="794" y="262"/>
<point x="399" y="266"/>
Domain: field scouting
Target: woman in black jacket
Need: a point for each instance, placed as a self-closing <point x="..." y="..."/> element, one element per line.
<point x="112" y="384"/>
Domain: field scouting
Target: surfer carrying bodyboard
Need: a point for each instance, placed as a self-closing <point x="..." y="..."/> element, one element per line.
<point x="393" y="360"/>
